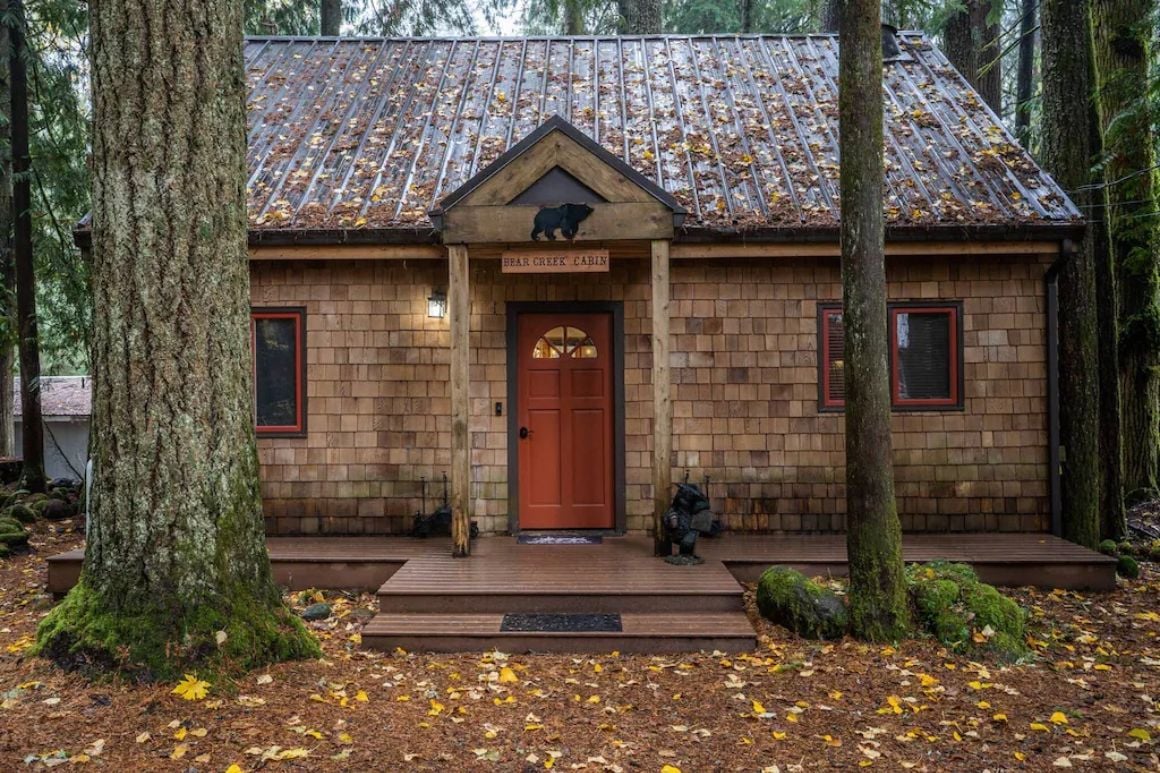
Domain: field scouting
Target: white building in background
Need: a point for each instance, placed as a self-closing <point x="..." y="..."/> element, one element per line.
<point x="66" y="403"/>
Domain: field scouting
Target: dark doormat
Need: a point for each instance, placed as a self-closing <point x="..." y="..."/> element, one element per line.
<point x="561" y="623"/>
<point x="558" y="539"/>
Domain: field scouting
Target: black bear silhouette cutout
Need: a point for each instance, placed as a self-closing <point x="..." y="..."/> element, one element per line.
<point x="566" y="218"/>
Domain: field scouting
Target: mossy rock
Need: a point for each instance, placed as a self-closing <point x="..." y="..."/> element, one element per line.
<point x="963" y="613"/>
<point x="13" y="497"/>
<point x="21" y="513"/>
<point x="1108" y="547"/>
<point x="318" y="611"/>
<point x="992" y="608"/>
<point x="32" y="499"/>
<point x="789" y="598"/>
<point x="936" y="600"/>
<point x="12" y="533"/>
<point x="8" y="523"/>
<point x="1126" y="566"/>
<point x="57" y="509"/>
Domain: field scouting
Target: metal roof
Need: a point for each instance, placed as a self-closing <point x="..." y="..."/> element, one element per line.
<point x="370" y="134"/>
<point x="59" y="396"/>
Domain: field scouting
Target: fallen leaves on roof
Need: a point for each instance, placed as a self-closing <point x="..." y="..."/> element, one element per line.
<point x="742" y="130"/>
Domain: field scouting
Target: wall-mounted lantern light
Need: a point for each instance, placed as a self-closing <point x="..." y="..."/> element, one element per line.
<point x="437" y="304"/>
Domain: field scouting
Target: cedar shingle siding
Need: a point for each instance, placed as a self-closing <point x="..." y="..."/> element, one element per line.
<point x="744" y="343"/>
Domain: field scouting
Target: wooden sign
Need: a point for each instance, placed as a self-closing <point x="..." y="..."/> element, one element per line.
<point x="555" y="261"/>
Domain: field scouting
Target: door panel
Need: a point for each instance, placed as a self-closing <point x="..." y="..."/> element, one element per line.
<point x="545" y="488"/>
<point x="564" y="363"/>
<point x="589" y="475"/>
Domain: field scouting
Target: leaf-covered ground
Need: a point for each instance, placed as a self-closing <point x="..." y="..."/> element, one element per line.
<point x="1085" y="701"/>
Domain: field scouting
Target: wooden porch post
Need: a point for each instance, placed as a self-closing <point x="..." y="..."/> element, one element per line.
<point x="459" y="303"/>
<point x="662" y="401"/>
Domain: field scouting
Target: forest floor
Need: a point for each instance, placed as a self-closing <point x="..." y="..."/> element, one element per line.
<point x="1085" y="699"/>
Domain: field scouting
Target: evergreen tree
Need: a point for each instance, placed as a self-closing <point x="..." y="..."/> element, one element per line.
<point x="176" y="555"/>
<point x="1067" y="156"/>
<point x="878" y="603"/>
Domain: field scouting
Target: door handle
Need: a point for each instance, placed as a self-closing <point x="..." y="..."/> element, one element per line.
<point x="524" y="433"/>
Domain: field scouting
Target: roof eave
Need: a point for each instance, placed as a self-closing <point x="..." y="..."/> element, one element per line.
<point x="1032" y="232"/>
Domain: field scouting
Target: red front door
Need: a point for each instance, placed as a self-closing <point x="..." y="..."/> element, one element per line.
<point x="565" y="421"/>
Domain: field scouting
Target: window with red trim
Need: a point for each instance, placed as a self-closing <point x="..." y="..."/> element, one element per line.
<point x="278" y="340"/>
<point x="925" y="356"/>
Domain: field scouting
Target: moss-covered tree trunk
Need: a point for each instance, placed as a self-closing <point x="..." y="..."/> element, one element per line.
<point x="176" y="549"/>
<point x="972" y="46"/>
<point x="27" y="329"/>
<point x="330" y="17"/>
<point x="7" y="268"/>
<point x="878" y="607"/>
<point x="1113" y="518"/>
<point x="1122" y="31"/>
<point x="574" y="17"/>
<point x="1066" y="152"/>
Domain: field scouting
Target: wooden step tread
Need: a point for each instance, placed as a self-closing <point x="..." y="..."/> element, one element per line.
<point x="548" y="572"/>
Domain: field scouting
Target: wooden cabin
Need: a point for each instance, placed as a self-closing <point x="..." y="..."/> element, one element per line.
<point x="567" y="272"/>
<point x="411" y="320"/>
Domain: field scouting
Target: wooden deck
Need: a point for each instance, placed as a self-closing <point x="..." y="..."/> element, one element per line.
<point x="1009" y="560"/>
<point x="1012" y="560"/>
<point x="428" y="600"/>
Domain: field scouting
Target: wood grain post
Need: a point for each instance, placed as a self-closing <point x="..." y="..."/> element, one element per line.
<point x="459" y="302"/>
<point x="662" y="399"/>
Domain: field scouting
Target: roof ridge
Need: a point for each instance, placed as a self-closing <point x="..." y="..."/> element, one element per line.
<point x="561" y="38"/>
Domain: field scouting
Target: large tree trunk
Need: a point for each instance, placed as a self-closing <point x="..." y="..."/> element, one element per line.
<point x="1113" y="518"/>
<point x="831" y="16"/>
<point x="1121" y="31"/>
<point x="573" y="17"/>
<point x="1067" y="155"/>
<point x="331" y="21"/>
<point x="972" y="46"/>
<point x="639" y="17"/>
<point x="878" y="606"/>
<point x="1025" y="84"/>
<point x="176" y="550"/>
<point x="7" y="268"/>
<point x="28" y="343"/>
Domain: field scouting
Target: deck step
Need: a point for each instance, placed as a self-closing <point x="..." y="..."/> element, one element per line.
<point x="544" y="579"/>
<point x="643" y="632"/>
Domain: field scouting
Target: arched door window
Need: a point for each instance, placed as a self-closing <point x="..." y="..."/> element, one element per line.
<point x="565" y="341"/>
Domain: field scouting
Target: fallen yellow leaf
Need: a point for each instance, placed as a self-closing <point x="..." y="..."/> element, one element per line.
<point x="1059" y="718"/>
<point x="191" y="688"/>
